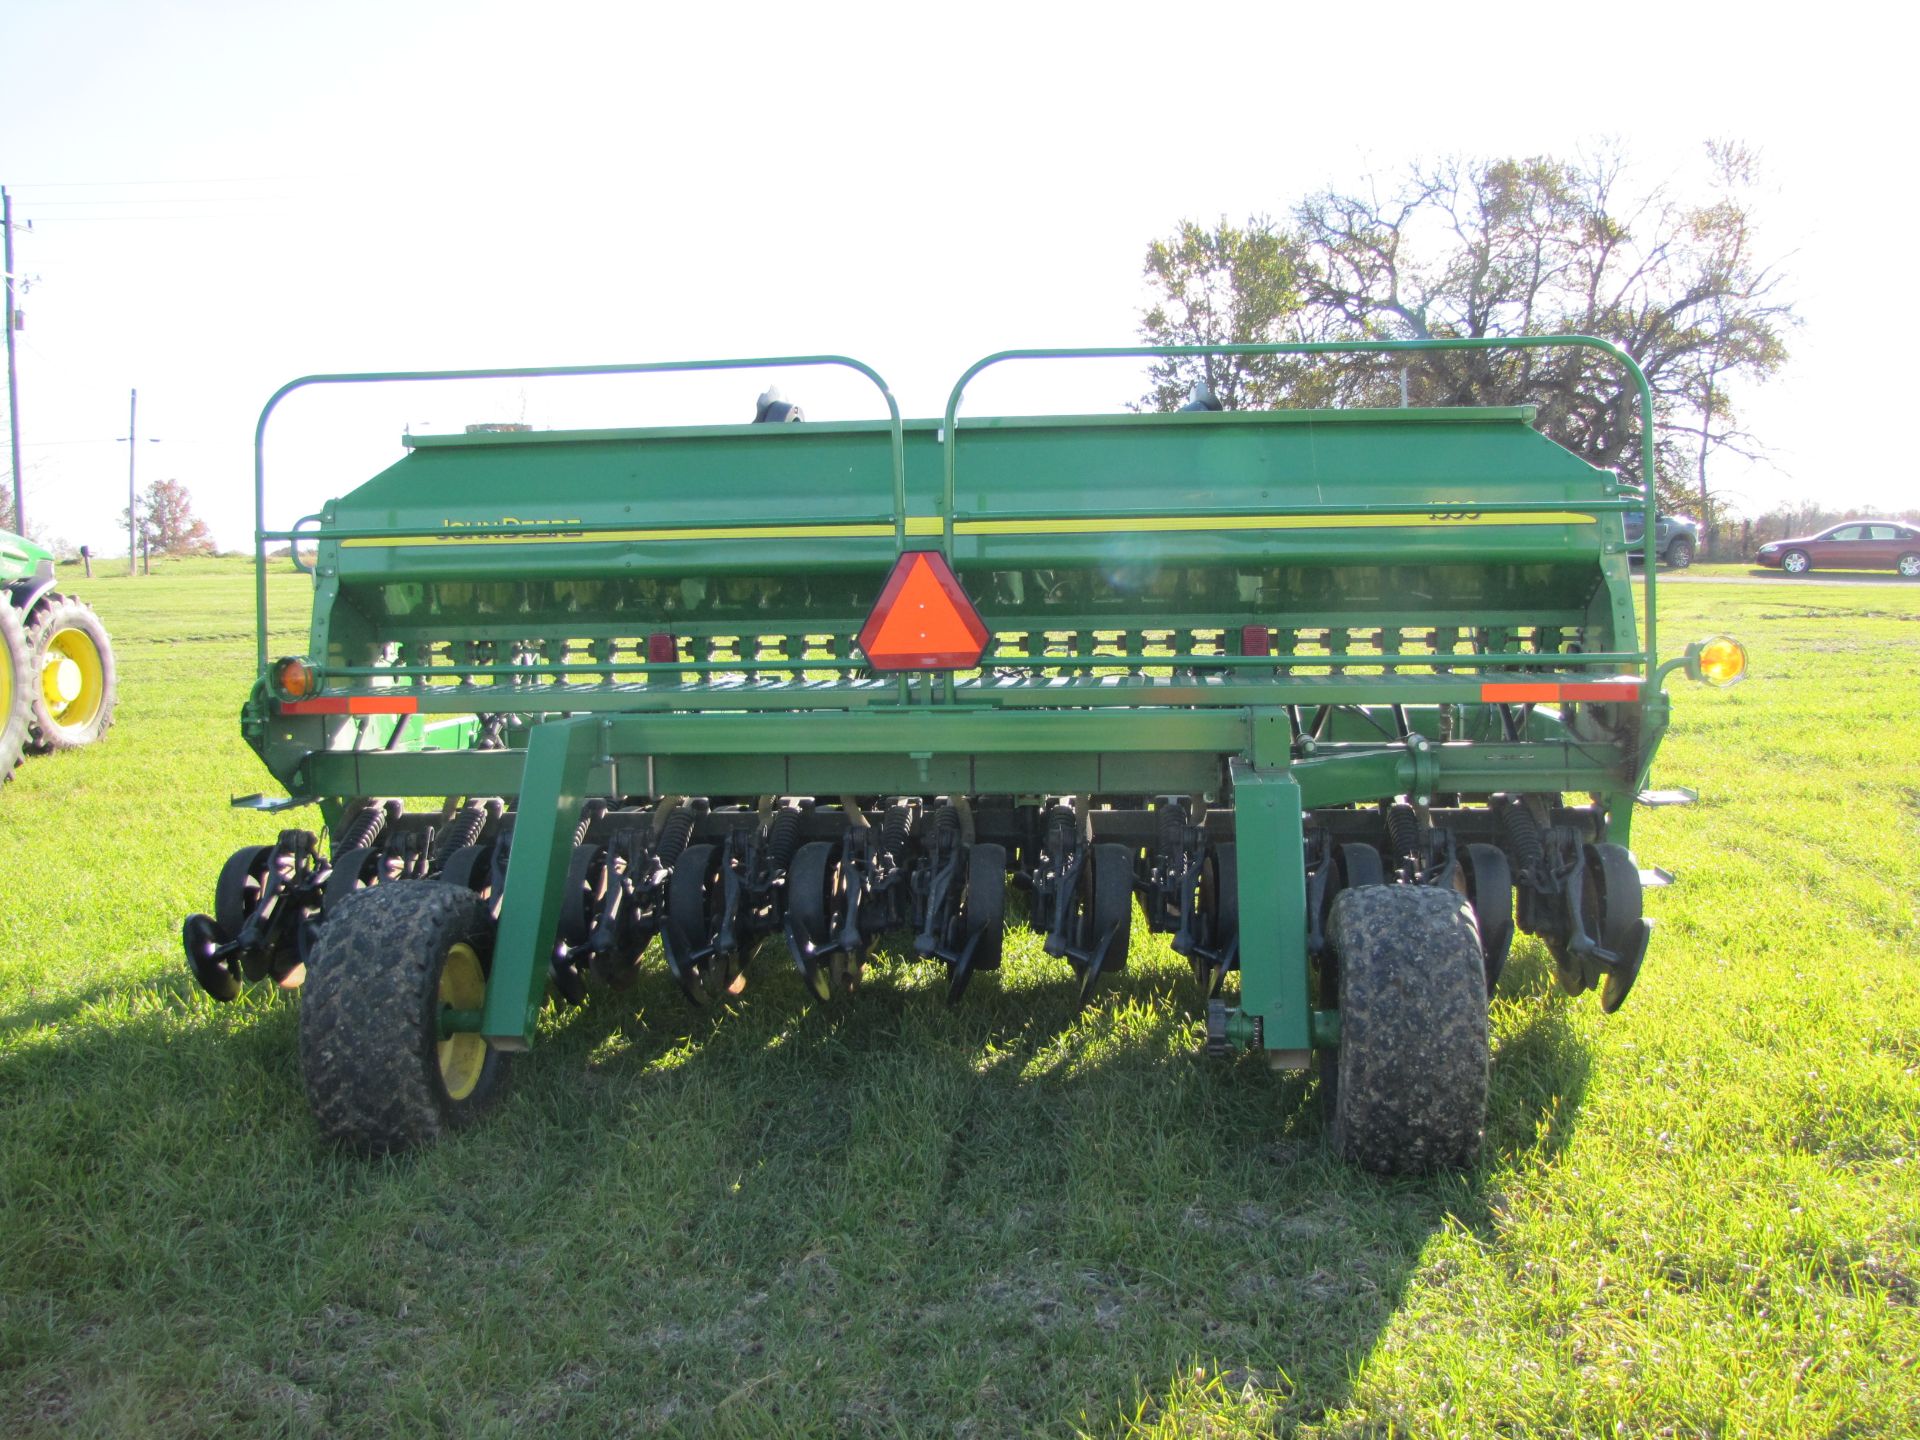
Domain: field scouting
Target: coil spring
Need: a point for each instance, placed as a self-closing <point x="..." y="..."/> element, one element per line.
<point x="1057" y="838"/>
<point x="783" y="838"/>
<point x="460" y="831"/>
<point x="1404" y="826"/>
<point x="1523" y="836"/>
<point x="362" y="830"/>
<point x="674" y="836"/>
<point x="1173" y="828"/>
<point x="944" y="826"/>
<point x="589" y="813"/>
<point x="894" y="832"/>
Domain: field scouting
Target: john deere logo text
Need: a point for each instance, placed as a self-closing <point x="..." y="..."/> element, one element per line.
<point x="509" y="527"/>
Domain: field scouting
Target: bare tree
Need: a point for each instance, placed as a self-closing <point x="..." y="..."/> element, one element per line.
<point x="1513" y="247"/>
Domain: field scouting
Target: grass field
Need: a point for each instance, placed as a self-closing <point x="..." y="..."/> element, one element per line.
<point x="1700" y="1216"/>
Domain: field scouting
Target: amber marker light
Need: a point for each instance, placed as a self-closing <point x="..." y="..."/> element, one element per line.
<point x="1720" y="661"/>
<point x="295" y="678"/>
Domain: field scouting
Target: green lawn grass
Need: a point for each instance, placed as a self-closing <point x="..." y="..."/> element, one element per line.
<point x="1700" y="1216"/>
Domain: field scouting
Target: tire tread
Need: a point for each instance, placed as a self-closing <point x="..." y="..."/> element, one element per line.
<point x="16" y="724"/>
<point x="62" y="612"/>
<point x="1412" y="1088"/>
<point x="372" y="991"/>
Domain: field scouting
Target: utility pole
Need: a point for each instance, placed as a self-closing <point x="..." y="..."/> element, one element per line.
<point x="133" y="450"/>
<point x="132" y="440"/>
<point x="13" y="387"/>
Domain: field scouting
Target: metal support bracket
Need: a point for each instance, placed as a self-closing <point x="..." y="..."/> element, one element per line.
<point x="1273" y="908"/>
<point x="267" y="804"/>
<point x="560" y="757"/>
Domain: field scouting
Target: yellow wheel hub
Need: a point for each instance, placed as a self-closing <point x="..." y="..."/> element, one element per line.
<point x="73" y="678"/>
<point x="463" y="986"/>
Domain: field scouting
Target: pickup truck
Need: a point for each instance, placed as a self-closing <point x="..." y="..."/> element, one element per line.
<point x="1676" y="538"/>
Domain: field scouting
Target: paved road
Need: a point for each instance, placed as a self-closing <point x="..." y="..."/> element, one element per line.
<point x="1819" y="577"/>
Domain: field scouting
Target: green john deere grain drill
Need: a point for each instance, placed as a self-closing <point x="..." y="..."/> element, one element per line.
<point x="1339" y="698"/>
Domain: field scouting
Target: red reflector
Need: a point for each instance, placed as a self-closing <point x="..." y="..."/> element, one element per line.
<point x="352" y="705"/>
<point x="1519" y="691"/>
<point x="1623" y="689"/>
<point x="662" y="648"/>
<point x="1254" y="640"/>
<point x="923" y="619"/>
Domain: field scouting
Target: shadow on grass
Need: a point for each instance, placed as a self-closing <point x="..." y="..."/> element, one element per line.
<point x="875" y="1216"/>
<point x="1541" y="1067"/>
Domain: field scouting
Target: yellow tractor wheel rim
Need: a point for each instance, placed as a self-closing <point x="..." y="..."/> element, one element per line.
<point x="6" y="687"/>
<point x="463" y="986"/>
<point x="73" y="679"/>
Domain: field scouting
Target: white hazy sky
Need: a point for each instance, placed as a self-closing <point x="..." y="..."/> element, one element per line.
<point x="225" y="196"/>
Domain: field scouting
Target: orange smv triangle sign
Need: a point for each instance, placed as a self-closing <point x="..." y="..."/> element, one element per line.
<point x="923" y="619"/>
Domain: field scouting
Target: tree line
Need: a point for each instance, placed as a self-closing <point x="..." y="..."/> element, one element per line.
<point x="1496" y="248"/>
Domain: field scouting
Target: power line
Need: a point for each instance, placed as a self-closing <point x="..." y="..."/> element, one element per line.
<point x="152" y="219"/>
<point x="104" y="440"/>
<point x="129" y="184"/>
<point x="40" y="205"/>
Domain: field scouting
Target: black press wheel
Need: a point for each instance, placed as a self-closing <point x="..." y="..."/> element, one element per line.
<point x="470" y="867"/>
<point x="1489" y="882"/>
<point x="1613" y="897"/>
<point x="695" y="910"/>
<point x="1411" y="1092"/>
<point x="585" y="890"/>
<point x="813" y="893"/>
<point x="237" y="894"/>
<point x="983" y="917"/>
<point x="1360" y="865"/>
<point x="1796" y="562"/>
<point x="1106" y="914"/>
<point x="378" y="1073"/>
<point x="16" y="691"/>
<point x="74" y="685"/>
<point x="352" y="871"/>
<point x="985" y="911"/>
<point x="1219" y="897"/>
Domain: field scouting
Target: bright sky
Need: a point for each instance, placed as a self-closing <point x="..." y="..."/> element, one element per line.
<point x="225" y="196"/>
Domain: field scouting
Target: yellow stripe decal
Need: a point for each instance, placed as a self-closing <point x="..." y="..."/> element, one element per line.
<point x="924" y="526"/>
<point x="456" y="536"/>
<point x="1137" y="524"/>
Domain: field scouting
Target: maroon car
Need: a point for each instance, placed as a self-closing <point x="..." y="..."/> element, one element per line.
<point x="1850" y="545"/>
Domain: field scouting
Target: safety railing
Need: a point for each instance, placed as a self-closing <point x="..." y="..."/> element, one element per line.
<point x="682" y="671"/>
<point x="1646" y="658"/>
<point x="262" y="535"/>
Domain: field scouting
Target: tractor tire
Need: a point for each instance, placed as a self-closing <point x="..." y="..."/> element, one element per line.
<point x="74" y="686"/>
<point x="16" y="692"/>
<point x="379" y="1078"/>
<point x="1410" y="1092"/>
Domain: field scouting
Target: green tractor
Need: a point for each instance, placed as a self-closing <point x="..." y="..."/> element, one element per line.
<point x="56" y="662"/>
<point x="1337" y="701"/>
